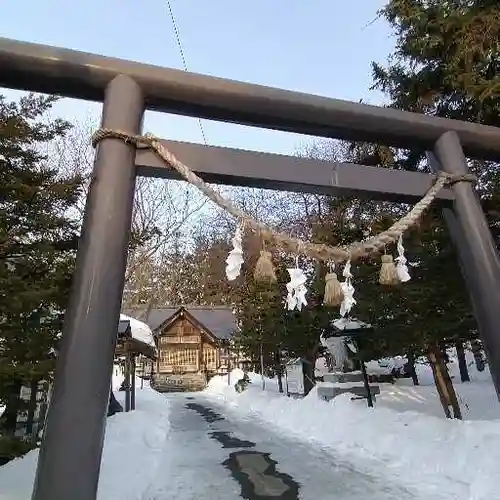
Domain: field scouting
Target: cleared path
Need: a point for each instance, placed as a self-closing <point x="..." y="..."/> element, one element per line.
<point x="212" y="456"/>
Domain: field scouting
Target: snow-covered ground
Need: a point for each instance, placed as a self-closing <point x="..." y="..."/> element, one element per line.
<point x="159" y="450"/>
<point x="133" y="449"/>
<point x="406" y="433"/>
<point x="477" y="398"/>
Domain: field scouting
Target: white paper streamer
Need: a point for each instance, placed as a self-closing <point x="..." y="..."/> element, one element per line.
<point x="349" y="301"/>
<point x="296" y="288"/>
<point x="401" y="267"/>
<point x="234" y="260"/>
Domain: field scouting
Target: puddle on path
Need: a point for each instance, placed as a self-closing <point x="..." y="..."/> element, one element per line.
<point x="254" y="471"/>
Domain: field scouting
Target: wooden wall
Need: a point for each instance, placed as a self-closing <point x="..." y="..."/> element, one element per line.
<point x="183" y="348"/>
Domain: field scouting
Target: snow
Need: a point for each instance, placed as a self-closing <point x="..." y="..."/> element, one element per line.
<point x="477" y="399"/>
<point x="406" y="433"/>
<point x="140" y="331"/>
<point x="350" y="324"/>
<point x="157" y="451"/>
<point x="133" y="449"/>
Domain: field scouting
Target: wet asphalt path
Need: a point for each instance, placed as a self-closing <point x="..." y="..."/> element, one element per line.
<point x="223" y="457"/>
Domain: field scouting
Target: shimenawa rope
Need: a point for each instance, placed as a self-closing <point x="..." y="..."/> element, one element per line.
<point x="296" y="246"/>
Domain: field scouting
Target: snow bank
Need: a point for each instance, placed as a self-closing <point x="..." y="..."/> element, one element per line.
<point x="477" y="399"/>
<point x="220" y="383"/>
<point x="132" y="451"/>
<point x="422" y="450"/>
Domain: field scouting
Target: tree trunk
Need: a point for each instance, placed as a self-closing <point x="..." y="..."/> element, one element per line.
<point x="444" y="386"/>
<point x="262" y="367"/>
<point x="32" y="407"/>
<point x="145" y="315"/>
<point x="462" y="362"/>
<point x="279" y="371"/>
<point x="478" y="355"/>
<point x="411" y="367"/>
<point x="444" y="354"/>
<point x="8" y="420"/>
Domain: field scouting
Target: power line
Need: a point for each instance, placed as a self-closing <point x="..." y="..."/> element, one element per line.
<point x="177" y="35"/>
<point x="183" y="57"/>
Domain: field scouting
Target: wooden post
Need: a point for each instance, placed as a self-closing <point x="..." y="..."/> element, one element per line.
<point x="127" y="380"/>
<point x="462" y="361"/>
<point x="43" y="409"/>
<point x="262" y="369"/>
<point x="411" y="366"/>
<point x="444" y="385"/>
<point x="367" y="384"/>
<point x="158" y="358"/>
<point x="32" y="408"/>
<point x="132" y="385"/>
<point x="200" y="353"/>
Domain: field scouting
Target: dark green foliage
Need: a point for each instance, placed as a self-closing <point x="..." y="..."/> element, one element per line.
<point x="260" y="309"/>
<point x="431" y="308"/>
<point x="446" y="63"/>
<point x="447" y="58"/>
<point x="266" y="323"/>
<point x="13" y="447"/>
<point x="38" y="239"/>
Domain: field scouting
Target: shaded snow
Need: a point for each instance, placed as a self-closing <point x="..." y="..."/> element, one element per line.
<point x="422" y="448"/>
<point x="477" y="398"/>
<point x="132" y="451"/>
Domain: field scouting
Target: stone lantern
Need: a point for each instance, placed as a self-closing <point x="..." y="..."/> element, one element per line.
<point x="340" y="340"/>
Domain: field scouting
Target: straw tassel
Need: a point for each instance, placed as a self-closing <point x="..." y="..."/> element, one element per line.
<point x="264" y="269"/>
<point x="333" y="291"/>
<point x="388" y="271"/>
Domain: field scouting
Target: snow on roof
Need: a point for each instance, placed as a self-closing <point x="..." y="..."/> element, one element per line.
<point x="140" y="331"/>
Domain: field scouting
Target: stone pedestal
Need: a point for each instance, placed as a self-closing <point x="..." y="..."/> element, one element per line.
<point x="340" y="383"/>
<point x="187" y="382"/>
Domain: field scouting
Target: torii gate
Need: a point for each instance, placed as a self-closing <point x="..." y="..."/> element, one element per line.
<point x="70" y="455"/>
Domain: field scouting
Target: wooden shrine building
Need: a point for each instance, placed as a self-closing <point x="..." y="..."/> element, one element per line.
<point x="192" y="344"/>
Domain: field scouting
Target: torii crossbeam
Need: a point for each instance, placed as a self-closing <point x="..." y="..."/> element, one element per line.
<point x="70" y="456"/>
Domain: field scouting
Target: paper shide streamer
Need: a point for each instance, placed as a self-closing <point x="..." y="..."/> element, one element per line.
<point x="235" y="260"/>
<point x="296" y="288"/>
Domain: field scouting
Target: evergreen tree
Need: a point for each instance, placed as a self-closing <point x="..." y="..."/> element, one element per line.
<point x="446" y="63"/>
<point x="266" y="325"/>
<point x="447" y="58"/>
<point x="38" y="239"/>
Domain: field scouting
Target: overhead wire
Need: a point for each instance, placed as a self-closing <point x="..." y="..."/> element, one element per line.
<point x="177" y="37"/>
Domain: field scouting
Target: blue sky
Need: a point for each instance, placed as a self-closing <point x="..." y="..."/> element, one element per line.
<point x="322" y="47"/>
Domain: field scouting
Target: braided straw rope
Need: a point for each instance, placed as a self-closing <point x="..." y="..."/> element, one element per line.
<point x="296" y="246"/>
